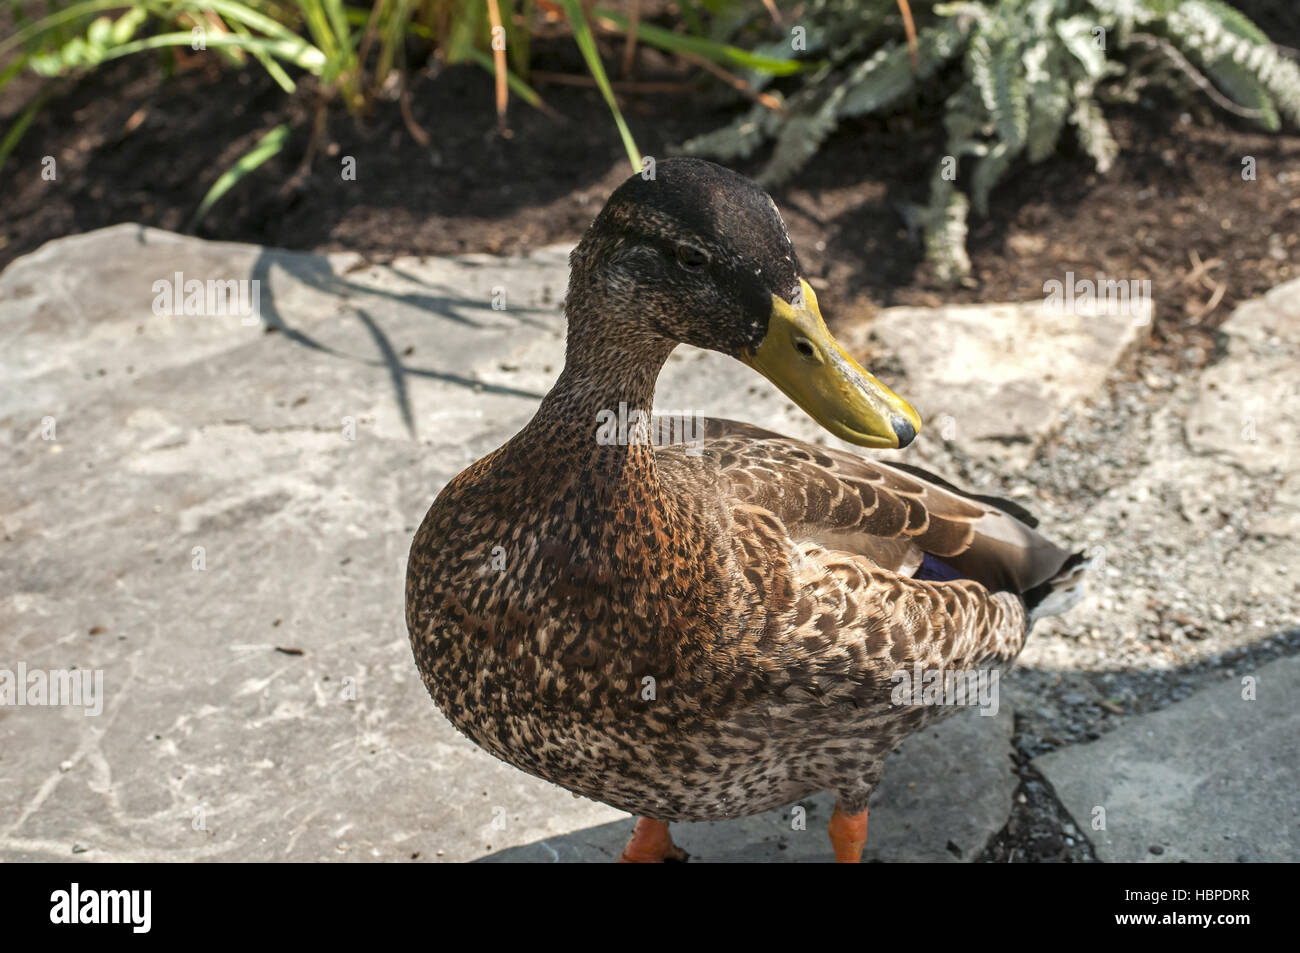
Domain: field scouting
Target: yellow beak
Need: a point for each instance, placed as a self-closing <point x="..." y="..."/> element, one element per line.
<point x="799" y="356"/>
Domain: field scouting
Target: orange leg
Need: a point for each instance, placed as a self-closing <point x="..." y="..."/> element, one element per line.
<point x="848" y="835"/>
<point x="651" y="844"/>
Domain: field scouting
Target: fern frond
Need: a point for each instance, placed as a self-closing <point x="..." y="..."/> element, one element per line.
<point x="994" y="65"/>
<point x="945" y="229"/>
<point x="1076" y="35"/>
<point x="1046" y="71"/>
<point x="799" y="139"/>
<point x="966" y="123"/>
<point x="1047" y="116"/>
<point x="883" y="78"/>
<point x="876" y="83"/>
<point x="989" y="170"/>
<point x="1239" y="58"/>
<point x="738" y="139"/>
<point x="1093" y="131"/>
<point x="1123" y="15"/>
<point x="1030" y="67"/>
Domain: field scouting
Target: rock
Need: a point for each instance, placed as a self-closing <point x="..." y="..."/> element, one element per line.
<point x="1249" y="406"/>
<point x="994" y="379"/>
<point x="1204" y="779"/>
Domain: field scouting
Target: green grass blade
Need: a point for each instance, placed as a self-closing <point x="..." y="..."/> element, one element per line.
<point x="587" y="44"/>
<point x="520" y="38"/>
<point x="517" y="85"/>
<point x="268" y="62"/>
<point x="268" y="146"/>
<point x="296" y="51"/>
<point x="20" y="125"/>
<point x="13" y="69"/>
<point x="339" y="23"/>
<point x="318" y="26"/>
<point x="233" y="10"/>
<point x="712" y="50"/>
<point x="56" y="19"/>
<point x="392" y="39"/>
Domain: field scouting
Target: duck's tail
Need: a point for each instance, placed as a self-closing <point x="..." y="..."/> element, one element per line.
<point x="1061" y="592"/>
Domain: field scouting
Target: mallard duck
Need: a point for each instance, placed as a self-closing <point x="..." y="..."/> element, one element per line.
<point x="709" y="629"/>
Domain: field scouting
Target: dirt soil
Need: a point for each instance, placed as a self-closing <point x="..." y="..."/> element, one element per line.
<point x="132" y="147"/>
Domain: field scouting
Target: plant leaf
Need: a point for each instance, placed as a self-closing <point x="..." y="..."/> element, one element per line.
<point x="269" y="145"/>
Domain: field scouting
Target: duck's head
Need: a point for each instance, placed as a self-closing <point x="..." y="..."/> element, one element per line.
<point x="699" y="255"/>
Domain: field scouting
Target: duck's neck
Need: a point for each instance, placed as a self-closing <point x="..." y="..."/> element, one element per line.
<point x="588" y="423"/>
<point x="600" y="381"/>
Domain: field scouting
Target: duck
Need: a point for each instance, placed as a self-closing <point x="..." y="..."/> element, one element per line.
<point x="704" y="629"/>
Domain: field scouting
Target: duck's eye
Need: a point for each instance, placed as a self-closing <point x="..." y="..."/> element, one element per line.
<point x="690" y="257"/>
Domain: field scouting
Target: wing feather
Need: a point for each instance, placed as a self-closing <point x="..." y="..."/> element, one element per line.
<point x="890" y="514"/>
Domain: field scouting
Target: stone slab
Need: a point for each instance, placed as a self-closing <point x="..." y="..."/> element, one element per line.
<point x="1212" y="778"/>
<point x="994" y="379"/>
<point x="1248" y="410"/>
<point x="265" y="706"/>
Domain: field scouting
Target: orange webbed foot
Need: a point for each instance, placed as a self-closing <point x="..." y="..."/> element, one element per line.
<point x="848" y="835"/>
<point x="651" y="844"/>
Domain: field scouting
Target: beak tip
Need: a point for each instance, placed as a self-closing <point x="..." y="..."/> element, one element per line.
<point x="903" y="429"/>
